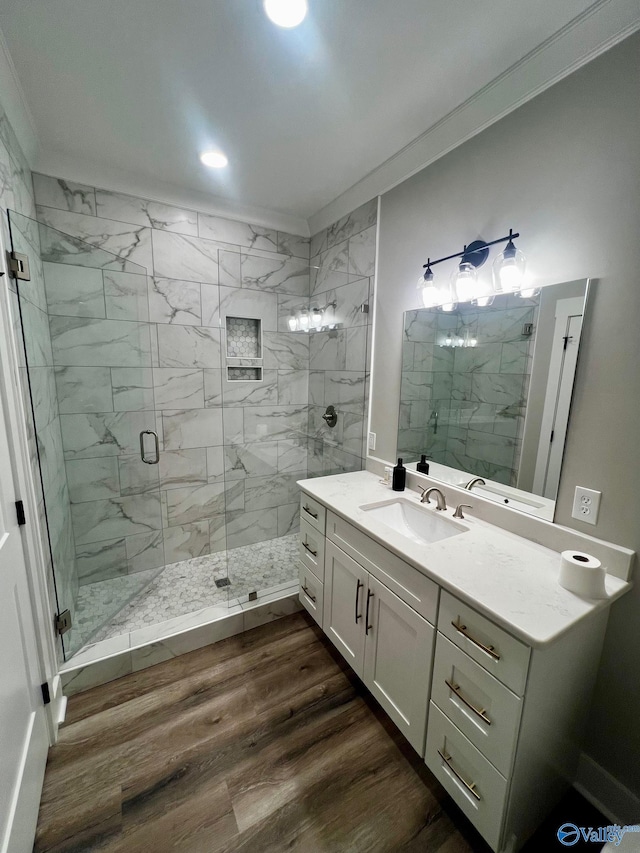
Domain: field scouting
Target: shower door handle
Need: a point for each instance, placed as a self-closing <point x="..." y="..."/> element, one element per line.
<point x="156" y="459"/>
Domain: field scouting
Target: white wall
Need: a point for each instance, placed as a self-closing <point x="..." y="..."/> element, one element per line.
<point x="564" y="170"/>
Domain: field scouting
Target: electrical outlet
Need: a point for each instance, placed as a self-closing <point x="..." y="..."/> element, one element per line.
<point x="586" y="503"/>
<point x="372" y="441"/>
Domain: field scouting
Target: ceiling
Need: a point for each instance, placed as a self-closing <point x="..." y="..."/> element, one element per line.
<point x="142" y="86"/>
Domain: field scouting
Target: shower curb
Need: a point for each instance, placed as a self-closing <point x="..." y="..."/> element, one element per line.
<point x="170" y="641"/>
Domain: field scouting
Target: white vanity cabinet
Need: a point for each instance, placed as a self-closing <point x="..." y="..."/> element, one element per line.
<point x="497" y="721"/>
<point x="385" y="641"/>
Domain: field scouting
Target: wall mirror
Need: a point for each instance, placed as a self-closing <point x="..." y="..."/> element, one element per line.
<point x="486" y="392"/>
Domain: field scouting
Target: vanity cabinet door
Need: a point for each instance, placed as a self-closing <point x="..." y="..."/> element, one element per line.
<point x="345" y="598"/>
<point x="397" y="661"/>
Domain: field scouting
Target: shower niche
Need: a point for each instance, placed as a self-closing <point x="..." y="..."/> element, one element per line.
<point x="244" y="349"/>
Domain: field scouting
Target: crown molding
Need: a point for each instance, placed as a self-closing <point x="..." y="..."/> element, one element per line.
<point x="584" y="38"/>
<point x="15" y="104"/>
<point x="70" y="168"/>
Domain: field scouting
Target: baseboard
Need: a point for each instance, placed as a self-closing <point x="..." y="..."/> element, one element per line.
<point x="606" y="793"/>
<point x="23" y="814"/>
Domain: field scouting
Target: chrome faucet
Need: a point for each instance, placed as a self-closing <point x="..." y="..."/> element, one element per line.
<point x="440" y="501"/>
<point x="477" y="481"/>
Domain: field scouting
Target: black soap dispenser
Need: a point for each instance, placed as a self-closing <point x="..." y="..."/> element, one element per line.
<point x="423" y="466"/>
<point x="399" y="477"/>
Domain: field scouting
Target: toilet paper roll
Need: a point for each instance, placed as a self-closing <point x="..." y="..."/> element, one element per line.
<point x="582" y="574"/>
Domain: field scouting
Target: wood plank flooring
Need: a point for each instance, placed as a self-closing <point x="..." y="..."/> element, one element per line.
<point x="261" y="743"/>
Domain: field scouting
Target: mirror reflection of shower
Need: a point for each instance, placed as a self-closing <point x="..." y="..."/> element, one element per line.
<point x="486" y="391"/>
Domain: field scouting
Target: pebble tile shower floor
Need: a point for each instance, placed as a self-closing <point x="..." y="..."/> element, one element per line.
<point x="151" y="597"/>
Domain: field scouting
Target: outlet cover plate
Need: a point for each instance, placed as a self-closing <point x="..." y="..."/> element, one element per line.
<point x="586" y="504"/>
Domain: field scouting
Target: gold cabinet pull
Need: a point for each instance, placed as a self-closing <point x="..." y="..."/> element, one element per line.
<point x="455" y="688"/>
<point x="313" y="553"/>
<point x="308" y="594"/>
<point x="470" y="786"/>
<point x="462" y="629"/>
<point x="308" y="511"/>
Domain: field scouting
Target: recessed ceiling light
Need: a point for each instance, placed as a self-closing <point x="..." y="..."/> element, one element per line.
<point x="214" y="159"/>
<point x="286" y="13"/>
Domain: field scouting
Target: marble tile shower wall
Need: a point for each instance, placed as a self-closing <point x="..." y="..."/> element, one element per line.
<point x="478" y="393"/>
<point x="139" y="352"/>
<point x="42" y="421"/>
<point x="342" y="270"/>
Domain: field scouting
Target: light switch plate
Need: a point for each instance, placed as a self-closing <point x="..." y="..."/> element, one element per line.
<point x="372" y="441"/>
<point x="586" y="503"/>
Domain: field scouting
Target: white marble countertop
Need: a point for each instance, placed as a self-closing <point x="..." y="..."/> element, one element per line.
<point x="510" y="579"/>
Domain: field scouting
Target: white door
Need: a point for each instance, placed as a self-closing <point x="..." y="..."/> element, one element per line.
<point x="397" y="661"/>
<point x="24" y="739"/>
<point x="557" y="402"/>
<point x="345" y="594"/>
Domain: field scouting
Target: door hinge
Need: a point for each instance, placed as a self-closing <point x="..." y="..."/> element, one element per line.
<point x="46" y="693"/>
<point x="63" y="622"/>
<point x="19" y="266"/>
<point x="22" y="518"/>
<point x="551" y="437"/>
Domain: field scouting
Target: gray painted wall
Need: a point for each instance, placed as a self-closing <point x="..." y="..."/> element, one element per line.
<point x="565" y="171"/>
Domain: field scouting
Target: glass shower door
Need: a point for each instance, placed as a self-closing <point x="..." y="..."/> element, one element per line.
<point x="90" y="395"/>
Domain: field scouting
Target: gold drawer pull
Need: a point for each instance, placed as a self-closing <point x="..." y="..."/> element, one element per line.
<point x="308" y="594"/>
<point x="313" y="553"/>
<point x="308" y="511"/>
<point x="471" y="787"/>
<point x="462" y="629"/>
<point x="455" y="688"/>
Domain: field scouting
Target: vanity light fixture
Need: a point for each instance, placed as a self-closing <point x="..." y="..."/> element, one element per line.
<point x="464" y="286"/>
<point x="509" y="268"/>
<point x="286" y="13"/>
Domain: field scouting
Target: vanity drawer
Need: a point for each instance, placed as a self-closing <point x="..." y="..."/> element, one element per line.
<point x="468" y="777"/>
<point x="498" y="652"/>
<point x="312" y="548"/>
<point x="414" y="588"/>
<point x="313" y="512"/>
<point x="311" y="593"/>
<point x="486" y="711"/>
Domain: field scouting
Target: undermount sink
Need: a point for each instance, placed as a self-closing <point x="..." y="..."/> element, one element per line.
<point x="416" y="523"/>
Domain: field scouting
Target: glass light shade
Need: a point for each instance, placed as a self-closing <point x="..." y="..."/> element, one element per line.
<point x="292" y="323"/>
<point x="429" y="293"/>
<point x="465" y="281"/>
<point x="508" y="270"/>
<point x="316" y="319"/>
<point x="305" y="321"/>
<point x="472" y="342"/>
<point x="448" y="341"/>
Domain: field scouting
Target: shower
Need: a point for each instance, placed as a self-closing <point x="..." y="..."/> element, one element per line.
<point x="172" y="410"/>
